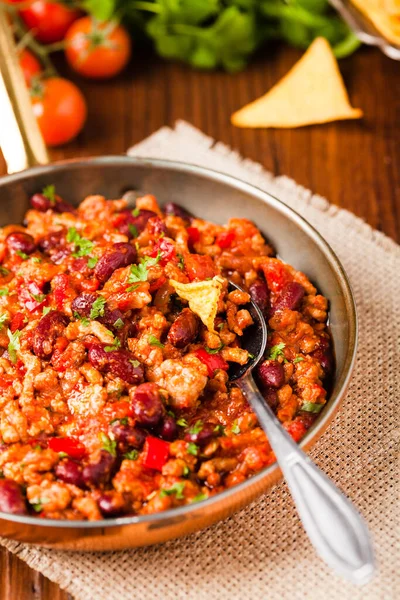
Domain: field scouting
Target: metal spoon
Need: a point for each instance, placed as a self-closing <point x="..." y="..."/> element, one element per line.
<point x="335" y="528"/>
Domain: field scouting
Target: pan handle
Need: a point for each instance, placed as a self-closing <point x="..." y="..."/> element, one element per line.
<point x="20" y="139"/>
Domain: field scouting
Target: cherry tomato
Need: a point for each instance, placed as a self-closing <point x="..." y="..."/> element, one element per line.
<point x="97" y="50"/>
<point x="30" y="65"/>
<point x="60" y="109"/>
<point x="48" y="20"/>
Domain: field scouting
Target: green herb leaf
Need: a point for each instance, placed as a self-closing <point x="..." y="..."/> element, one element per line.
<point x="108" y="444"/>
<point x="235" y="427"/>
<point x="13" y="345"/>
<point x="133" y="230"/>
<point x="276" y="351"/>
<point x="200" y="497"/>
<point x="49" y="192"/>
<point x="153" y="341"/>
<point x="219" y="429"/>
<point x="4" y="291"/>
<point x="298" y="359"/>
<point x="84" y="320"/>
<point x="115" y="346"/>
<point x="176" y="489"/>
<point x="135" y="363"/>
<point x="118" y="324"/>
<point x="38" y="506"/>
<point x="4" y="271"/>
<point x="46" y="310"/>
<point x="136" y="212"/>
<point x="214" y="350"/>
<point x="83" y="247"/>
<point x="36" y="260"/>
<point x="22" y="255"/>
<point x="192" y="449"/>
<point x="98" y="308"/>
<point x="312" y="407"/>
<point x="92" y="262"/>
<point x="196" y="428"/>
<point x="62" y="454"/>
<point x="38" y="297"/>
<point x="181" y="263"/>
<point x="140" y="272"/>
<point x="182" y="422"/>
<point x="185" y="471"/>
<point x="3" y="320"/>
<point x="131" y="455"/>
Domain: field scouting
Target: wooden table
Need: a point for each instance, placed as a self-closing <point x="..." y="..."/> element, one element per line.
<point x="354" y="164"/>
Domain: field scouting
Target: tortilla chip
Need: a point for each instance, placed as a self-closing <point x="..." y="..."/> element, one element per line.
<point x="312" y="92"/>
<point x="385" y="18"/>
<point x="203" y="297"/>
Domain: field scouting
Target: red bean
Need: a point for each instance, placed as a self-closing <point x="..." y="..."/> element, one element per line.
<point x="290" y="297"/>
<point x="100" y="472"/>
<point x="46" y="332"/>
<point x="259" y="293"/>
<point x="184" y="329"/>
<point x="110" y="505"/>
<point x="271" y="374"/>
<point x="11" y="498"/>
<point x="62" y="207"/>
<point x="147" y="405"/>
<point x="82" y="304"/>
<point x="200" y="434"/>
<point x="52" y="240"/>
<point x="127" y="223"/>
<point x="117" y="362"/>
<point x="40" y="202"/>
<point x="127" y="435"/>
<point x="70" y="471"/>
<point x="325" y="358"/>
<point x="271" y="397"/>
<point x="21" y="242"/>
<point x="178" y="211"/>
<point x="168" y="430"/>
<point x="122" y="255"/>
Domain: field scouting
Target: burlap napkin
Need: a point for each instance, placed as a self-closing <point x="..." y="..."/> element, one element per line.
<point x="263" y="552"/>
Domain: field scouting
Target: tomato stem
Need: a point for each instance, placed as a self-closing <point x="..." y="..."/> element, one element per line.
<point x="42" y="52"/>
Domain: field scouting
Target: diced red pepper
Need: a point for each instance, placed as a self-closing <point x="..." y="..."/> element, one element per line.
<point x="118" y="410"/>
<point x="61" y="282"/>
<point x="194" y="235"/>
<point x="70" y="446"/>
<point x="17" y="322"/>
<point x="225" y="239"/>
<point x="156" y="453"/>
<point x="167" y="249"/>
<point x="212" y="361"/>
<point x="296" y="429"/>
<point x="199" y="267"/>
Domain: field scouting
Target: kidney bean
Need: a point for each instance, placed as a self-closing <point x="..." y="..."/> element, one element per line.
<point x="61" y="206"/>
<point x="184" y="329"/>
<point x="111" y="505"/>
<point x="178" y="211"/>
<point x="259" y="293"/>
<point x="271" y="374"/>
<point x="117" y="362"/>
<point x="21" y="242"/>
<point x="52" y="240"/>
<point x="40" y="202"/>
<point x="70" y="471"/>
<point x="168" y="429"/>
<point x="82" y="304"/>
<point x="46" y="332"/>
<point x="271" y="397"/>
<point x="325" y="358"/>
<point x="290" y="297"/>
<point x="110" y="317"/>
<point x="122" y="255"/>
<point x="11" y="498"/>
<point x="203" y="436"/>
<point x="127" y="435"/>
<point x="147" y="405"/>
<point x="100" y="472"/>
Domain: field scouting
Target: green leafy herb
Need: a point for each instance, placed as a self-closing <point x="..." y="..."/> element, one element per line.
<point x="276" y="351"/>
<point x="49" y="192"/>
<point x="38" y="506"/>
<point x="98" y="308"/>
<point x="131" y="455"/>
<point x="214" y="350"/>
<point x="219" y="429"/>
<point x="176" y="489"/>
<point x="62" y="454"/>
<point x="13" y="345"/>
<point x="3" y="320"/>
<point x="132" y="288"/>
<point x="37" y="447"/>
<point x="92" y="262"/>
<point x="298" y="359"/>
<point x="133" y="230"/>
<point x="115" y="346"/>
<point x="22" y="255"/>
<point x="192" y="449"/>
<point x="118" y="324"/>
<point x="196" y="428"/>
<point x="83" y="247"/>
<point x="181" y="263"/>
<point x="312" y="407"/>
<point x="4" y="271"/>
<point x="235" y="427"/>
<point x="84" y="320"/>
<point x="47" y="309"/>
<point x="185" y="471"/>
<point x="200" y="497"/>
<point x="108" y="444"/>
<point x="136" y="212"/>
<point x="135" y="363"/>
<point x="140" y="272"/>
<point x="4" y="291"/>
<point x="182" y="422"/>
<point x="38" y="297"/>
<point x="123" y="421"/>
<point x="36" y="259"/>
<point x="153" y="341"/>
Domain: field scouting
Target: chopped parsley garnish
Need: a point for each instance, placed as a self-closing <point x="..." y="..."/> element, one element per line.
<point x="153" y="341"/>
<point x="109" y="445"/>
<point x="176" y="489"/>
<point x="196" y="428"/>
<point x="22" y="254"/>
<point x="182" y="422"/>
<point x="192" y="449"/>
<point x="133" y="230"/>
<point x="312" y="407"/>
<point x="3" y="320"/>
<point x="219" y="429"/>
<point x="118" y="324"/>
<point x="298" y="359"/>
<point x="83" y="247"/>
<point x="62" y="454"/>
<point x="276" y="351"/>
<point x="123" y="421"/>
<point x="49" y="192"/>
<point x="185" y="471"/>
<point x="200" y="497"/>
<point x="13" y="345"/>
<point x="115" y="346"/>
<point x="136" y="212"/>
<point x="38" y="506"/>
<point x="135" y="363"/>
<point x="38" y="297"/>
<point x="36" y="259"/>
<point x="4" y="271"/>
<point x="181" y="263"/>
<point x="98" y="308"/>
<point x="140" y="272"/>
<point x="235" y="428"/>
<point x="47" y="309"/>
<point x="4" y="291"/>
<point x="131" y="455"/>
<point x="92" y="262"/>
<point x="84" y="320"/>
<point x="213" y="350"/>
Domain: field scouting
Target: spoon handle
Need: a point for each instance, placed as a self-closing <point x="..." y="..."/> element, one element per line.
<point x="335" y="528"/>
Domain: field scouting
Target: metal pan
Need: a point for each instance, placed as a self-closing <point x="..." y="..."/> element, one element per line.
<point x="216" y="197"/>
